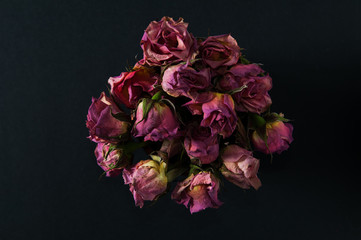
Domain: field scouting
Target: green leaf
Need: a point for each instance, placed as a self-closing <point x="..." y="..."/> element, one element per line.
<point x="132" y="146"/>
<point x="174" y="173"/>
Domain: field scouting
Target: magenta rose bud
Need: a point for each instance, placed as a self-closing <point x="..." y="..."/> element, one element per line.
<point x="240" y="167"/>
<point x="159" y="124"/>
<point x="198" y="192"/>
<point x="147" y="180"/>
<point x="254" y="98"/>
<point x="102" y="125"/>
<point x="217" y="51"/>
<point x="129" y="87"/>
<point x="218" y="112"/>
<point x="167" y="41"/>
<point x="279" y="136"/>
<point x="181" y="80"/>
<point x="112" y="162"/>
<point x="201" y="144"/>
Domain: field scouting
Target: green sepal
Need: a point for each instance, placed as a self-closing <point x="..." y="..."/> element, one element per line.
<point x="237" y="90"/>
<point x="170" y="103"/>
<point x="256" y="121"/>
<point x="194" y="169"/>
<point x="121" y="116"/>
<point x="191" y="61"/>
<point x="159" y="156"/>
<point x="272" y="117"/>
<point x="147" y="105"/>
<point x="165" y="100"/>
<point x="216" y="173"/>
<point x="157" y="96"/>
<point x="244" y="60"/>
<point x="110" y="149"/>
<point x="259" y="124"/>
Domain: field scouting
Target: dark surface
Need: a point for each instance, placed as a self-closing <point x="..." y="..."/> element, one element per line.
<point x="55" y="56"/>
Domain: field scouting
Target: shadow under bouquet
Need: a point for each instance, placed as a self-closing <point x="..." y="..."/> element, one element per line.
<point x="197" y="107"/>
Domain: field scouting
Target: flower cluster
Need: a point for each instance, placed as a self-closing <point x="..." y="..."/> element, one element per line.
<point x="197" y="107"/>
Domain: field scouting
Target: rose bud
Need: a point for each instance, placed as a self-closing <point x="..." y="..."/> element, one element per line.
<point x="129" y="87"/>
<point x="254" y="98"/>
<point x="112" y="161"/>
<point x="181" y="80"/>
<point x="147" y="180"/>
<point x="198" y="192"/>
<point x="221" y="50"/>
<point x="167" y="41"/>
<point x="200" y="143"/>
<point x="102" y="125"/>
<point x="279" y="136"/>
<point x="218" y="112"/>
<point x="159" y="124"/>
<point x="240" y="167"/>
<point x="171" y="147"/>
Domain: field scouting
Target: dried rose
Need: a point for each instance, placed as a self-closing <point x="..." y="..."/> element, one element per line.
<point x="198" y="192"/>
<point x="240" y="167"/>
<point x="147" y="180"/>
<point x="279" y="136"/>
<point x="167" y="41"/>
<point x="102" y="125"/>
<point x="254" y="98"/>
<point x="159" y="124"/>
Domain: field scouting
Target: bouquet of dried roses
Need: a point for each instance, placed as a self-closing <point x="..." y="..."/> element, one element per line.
<point x="197" y="107"/>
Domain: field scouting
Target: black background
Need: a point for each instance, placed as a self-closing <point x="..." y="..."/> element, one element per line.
<point x="56" y="55"/>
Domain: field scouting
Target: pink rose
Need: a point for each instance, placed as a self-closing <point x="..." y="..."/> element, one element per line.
<point x="129" y="87"/>
<point x="255" y="97"/>
<point x="217" y="51"/>
<point x="147" y="180"/>
<point x="200" y="143"/>
<point x="112" y="162"/>
<point x="240" y="167"/>
<point x="279" y="137"/>
<point x="198" y="192"/>
<point x="218" y="112"/>
<point x="167" y="41"/>
<point x="181" y="80"/>
<point x="102" y="125"/>
<point x="159" y="124"/>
